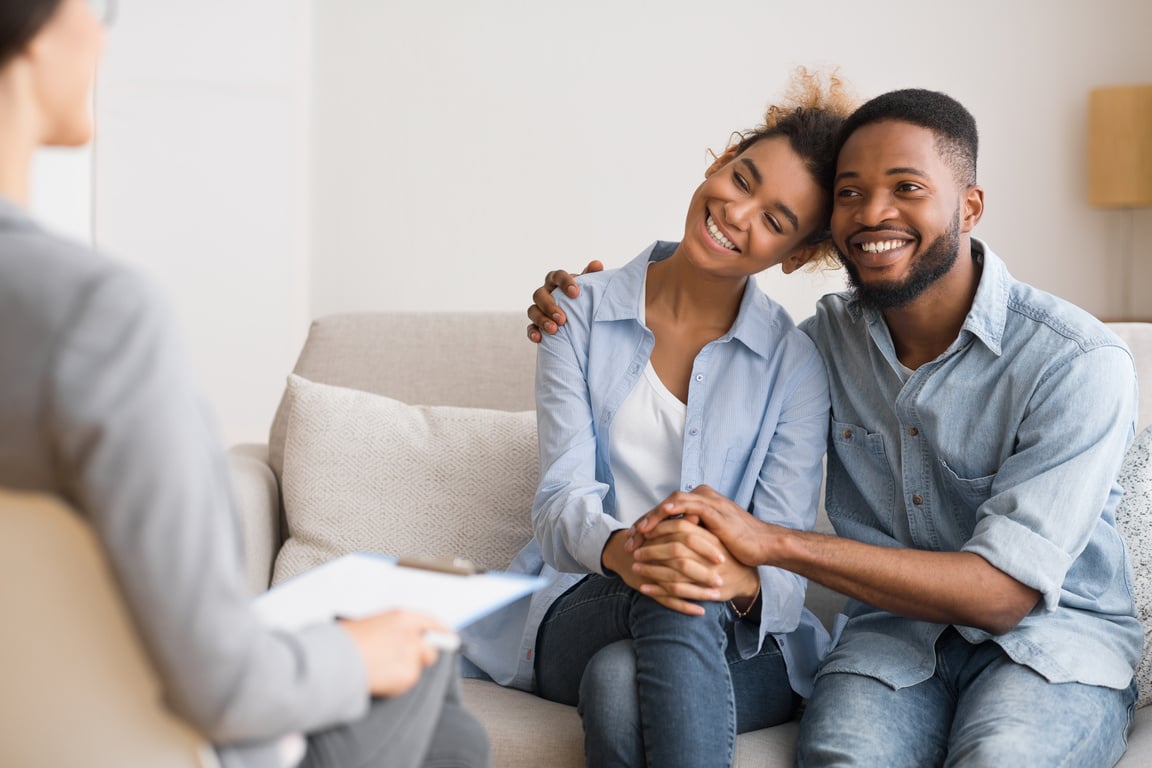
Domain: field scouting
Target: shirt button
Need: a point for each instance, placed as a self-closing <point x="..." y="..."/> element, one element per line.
<point x="917" y="499"/>
<point x="635" y="369"/>
<point x="847" y="434"/>
<point x="699" y="377"/>
<point x="688" y="487"/>
<point x="693" y="431"/>
<point x="913" y="431"/>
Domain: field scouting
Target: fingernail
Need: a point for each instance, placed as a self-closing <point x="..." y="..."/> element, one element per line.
<point x="550" y="327"/>
<point x="556" y="317"/>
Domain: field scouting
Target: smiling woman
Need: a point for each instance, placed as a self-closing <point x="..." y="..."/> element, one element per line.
<point x="676" y="373"/>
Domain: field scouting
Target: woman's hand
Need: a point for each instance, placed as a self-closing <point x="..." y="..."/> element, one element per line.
<point x="394" y="649"/>
<point x="682" y="560"/>
<point x="544" y="313"/>
<point x="617" y="559"/>
<point x="742" y="534"/>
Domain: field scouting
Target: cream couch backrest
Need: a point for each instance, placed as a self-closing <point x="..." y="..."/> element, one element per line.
<point x="483" y="360"/>
<point x="474" y="360"/>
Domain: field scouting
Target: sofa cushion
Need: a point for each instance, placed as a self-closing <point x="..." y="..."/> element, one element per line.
<point x="366" y="472"/>
<point x="1134" y="520"/>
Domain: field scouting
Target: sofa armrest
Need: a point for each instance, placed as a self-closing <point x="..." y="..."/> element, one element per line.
<point x="257" y="496"/>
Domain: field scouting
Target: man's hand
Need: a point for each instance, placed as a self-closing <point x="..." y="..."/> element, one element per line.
<point x="394" y="650"/>
<point x="544" y="313"/>
<point x="739" y="532"/>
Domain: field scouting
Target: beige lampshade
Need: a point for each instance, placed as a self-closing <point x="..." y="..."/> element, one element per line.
<point x="1120" y="146"/>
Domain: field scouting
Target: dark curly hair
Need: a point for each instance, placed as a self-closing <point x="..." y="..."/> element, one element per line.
<point x="809" y="117"/>
<point x="957" y="140"/>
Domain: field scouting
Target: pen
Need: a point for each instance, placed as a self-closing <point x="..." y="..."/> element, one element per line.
<point x="449" y="642"/>
<point x="456" y="565"/>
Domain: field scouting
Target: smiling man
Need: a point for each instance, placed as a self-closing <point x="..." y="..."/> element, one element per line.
<point x="978" y="425"/>
<point x="977" y="428"/>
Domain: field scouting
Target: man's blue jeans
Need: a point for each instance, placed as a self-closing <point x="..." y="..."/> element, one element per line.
<point x="654" y="686"/>
<point x="980" y="708"/>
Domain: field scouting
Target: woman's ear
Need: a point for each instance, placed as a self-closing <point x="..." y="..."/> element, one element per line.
<point x="800" y="256"/>
<point x="722" y="160"/>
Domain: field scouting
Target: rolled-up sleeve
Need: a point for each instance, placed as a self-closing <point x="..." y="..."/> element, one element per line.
<point x="1046" y="497"/>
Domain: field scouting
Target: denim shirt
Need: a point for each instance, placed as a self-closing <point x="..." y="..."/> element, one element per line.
<point x="1007" y="445"/>
<point x="755" y="430"/>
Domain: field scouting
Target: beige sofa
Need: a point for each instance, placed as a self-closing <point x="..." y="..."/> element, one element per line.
<point x="482" y="361"/>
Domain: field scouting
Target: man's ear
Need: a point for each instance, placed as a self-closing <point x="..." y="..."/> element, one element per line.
<point x="722" y="160"/>
<point x="973" y="208"/>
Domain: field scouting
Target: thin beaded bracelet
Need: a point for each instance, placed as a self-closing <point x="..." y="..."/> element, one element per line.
<point x="742" y="613"/>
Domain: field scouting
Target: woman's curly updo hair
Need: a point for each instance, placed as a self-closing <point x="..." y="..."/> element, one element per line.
<point x="810" y="116"/>
<point x="20" y="20"/>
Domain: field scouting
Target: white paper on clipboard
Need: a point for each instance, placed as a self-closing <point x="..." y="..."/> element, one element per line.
<point x="363" y="584"/>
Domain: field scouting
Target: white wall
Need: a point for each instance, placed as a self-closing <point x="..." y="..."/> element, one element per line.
<point x="462" y="148"/>
<point x="61" y="191"/>
<point x="272" y="160"/>
<point x="202" y="180"/>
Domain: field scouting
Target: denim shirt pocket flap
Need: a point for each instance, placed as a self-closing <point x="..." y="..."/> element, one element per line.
<point x="977" y="489"/>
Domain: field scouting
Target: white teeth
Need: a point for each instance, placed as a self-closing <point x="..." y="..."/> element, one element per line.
<point x="881" y="247"/>
<point x="717" y="235"/>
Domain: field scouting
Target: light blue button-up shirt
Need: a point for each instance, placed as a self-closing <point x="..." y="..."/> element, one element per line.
<point x="756" y="427"/>
<point x="1007" y="445"/>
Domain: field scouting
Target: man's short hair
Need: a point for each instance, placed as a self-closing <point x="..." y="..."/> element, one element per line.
<point x="954" y="126"/>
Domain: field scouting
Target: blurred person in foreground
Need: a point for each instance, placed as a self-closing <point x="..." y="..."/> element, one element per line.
<point x="96" y="407"/>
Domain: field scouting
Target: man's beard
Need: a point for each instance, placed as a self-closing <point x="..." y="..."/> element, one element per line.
<point x="932" y="265"/>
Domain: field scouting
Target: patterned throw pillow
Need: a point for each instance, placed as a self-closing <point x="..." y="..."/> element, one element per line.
<point x="1134" y="519"/>
<point x="364" y="472"/>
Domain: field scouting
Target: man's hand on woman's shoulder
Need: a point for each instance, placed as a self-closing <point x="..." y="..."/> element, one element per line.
<point x="544" y="313"/>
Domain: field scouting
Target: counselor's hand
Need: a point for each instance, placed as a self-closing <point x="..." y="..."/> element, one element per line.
<point x="741" y="533"/>
<point x="544" y="313"/>
<point x="394" y="649"/>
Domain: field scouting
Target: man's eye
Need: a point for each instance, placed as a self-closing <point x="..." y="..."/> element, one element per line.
<point x="908" y="186"/>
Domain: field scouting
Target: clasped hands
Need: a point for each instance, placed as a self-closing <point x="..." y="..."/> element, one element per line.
<point x="675" y="555"/>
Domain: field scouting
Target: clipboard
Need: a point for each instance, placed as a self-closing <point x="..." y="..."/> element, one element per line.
<point x="363" y="584"/>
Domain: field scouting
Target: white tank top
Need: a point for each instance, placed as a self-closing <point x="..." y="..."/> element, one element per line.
<point x="647" y="443"/>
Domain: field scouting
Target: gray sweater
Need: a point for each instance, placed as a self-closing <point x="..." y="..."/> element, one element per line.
<point x="97" y="406"/>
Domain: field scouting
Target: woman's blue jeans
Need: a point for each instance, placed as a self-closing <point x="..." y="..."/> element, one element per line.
<point x="980" y="708"/>
<point x="654" y="686"/>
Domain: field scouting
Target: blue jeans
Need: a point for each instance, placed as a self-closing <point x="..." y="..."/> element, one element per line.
<point x="980" y="708"/>
<point x="654" y="686"/>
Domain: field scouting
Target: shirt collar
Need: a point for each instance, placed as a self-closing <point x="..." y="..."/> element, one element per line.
<point x="757" y="322"/>
<point x="989" y="312"/>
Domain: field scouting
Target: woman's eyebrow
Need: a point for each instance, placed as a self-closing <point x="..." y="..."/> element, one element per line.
<point x="754" y="172"/>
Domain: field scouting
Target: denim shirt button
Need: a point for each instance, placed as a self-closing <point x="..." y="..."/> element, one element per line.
<point x="847" y="434"/>
<point x="913" y="431"/>
<point x="917" y="499"/>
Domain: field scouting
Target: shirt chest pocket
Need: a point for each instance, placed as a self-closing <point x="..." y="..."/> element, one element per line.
<point x="861" y="488"/>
